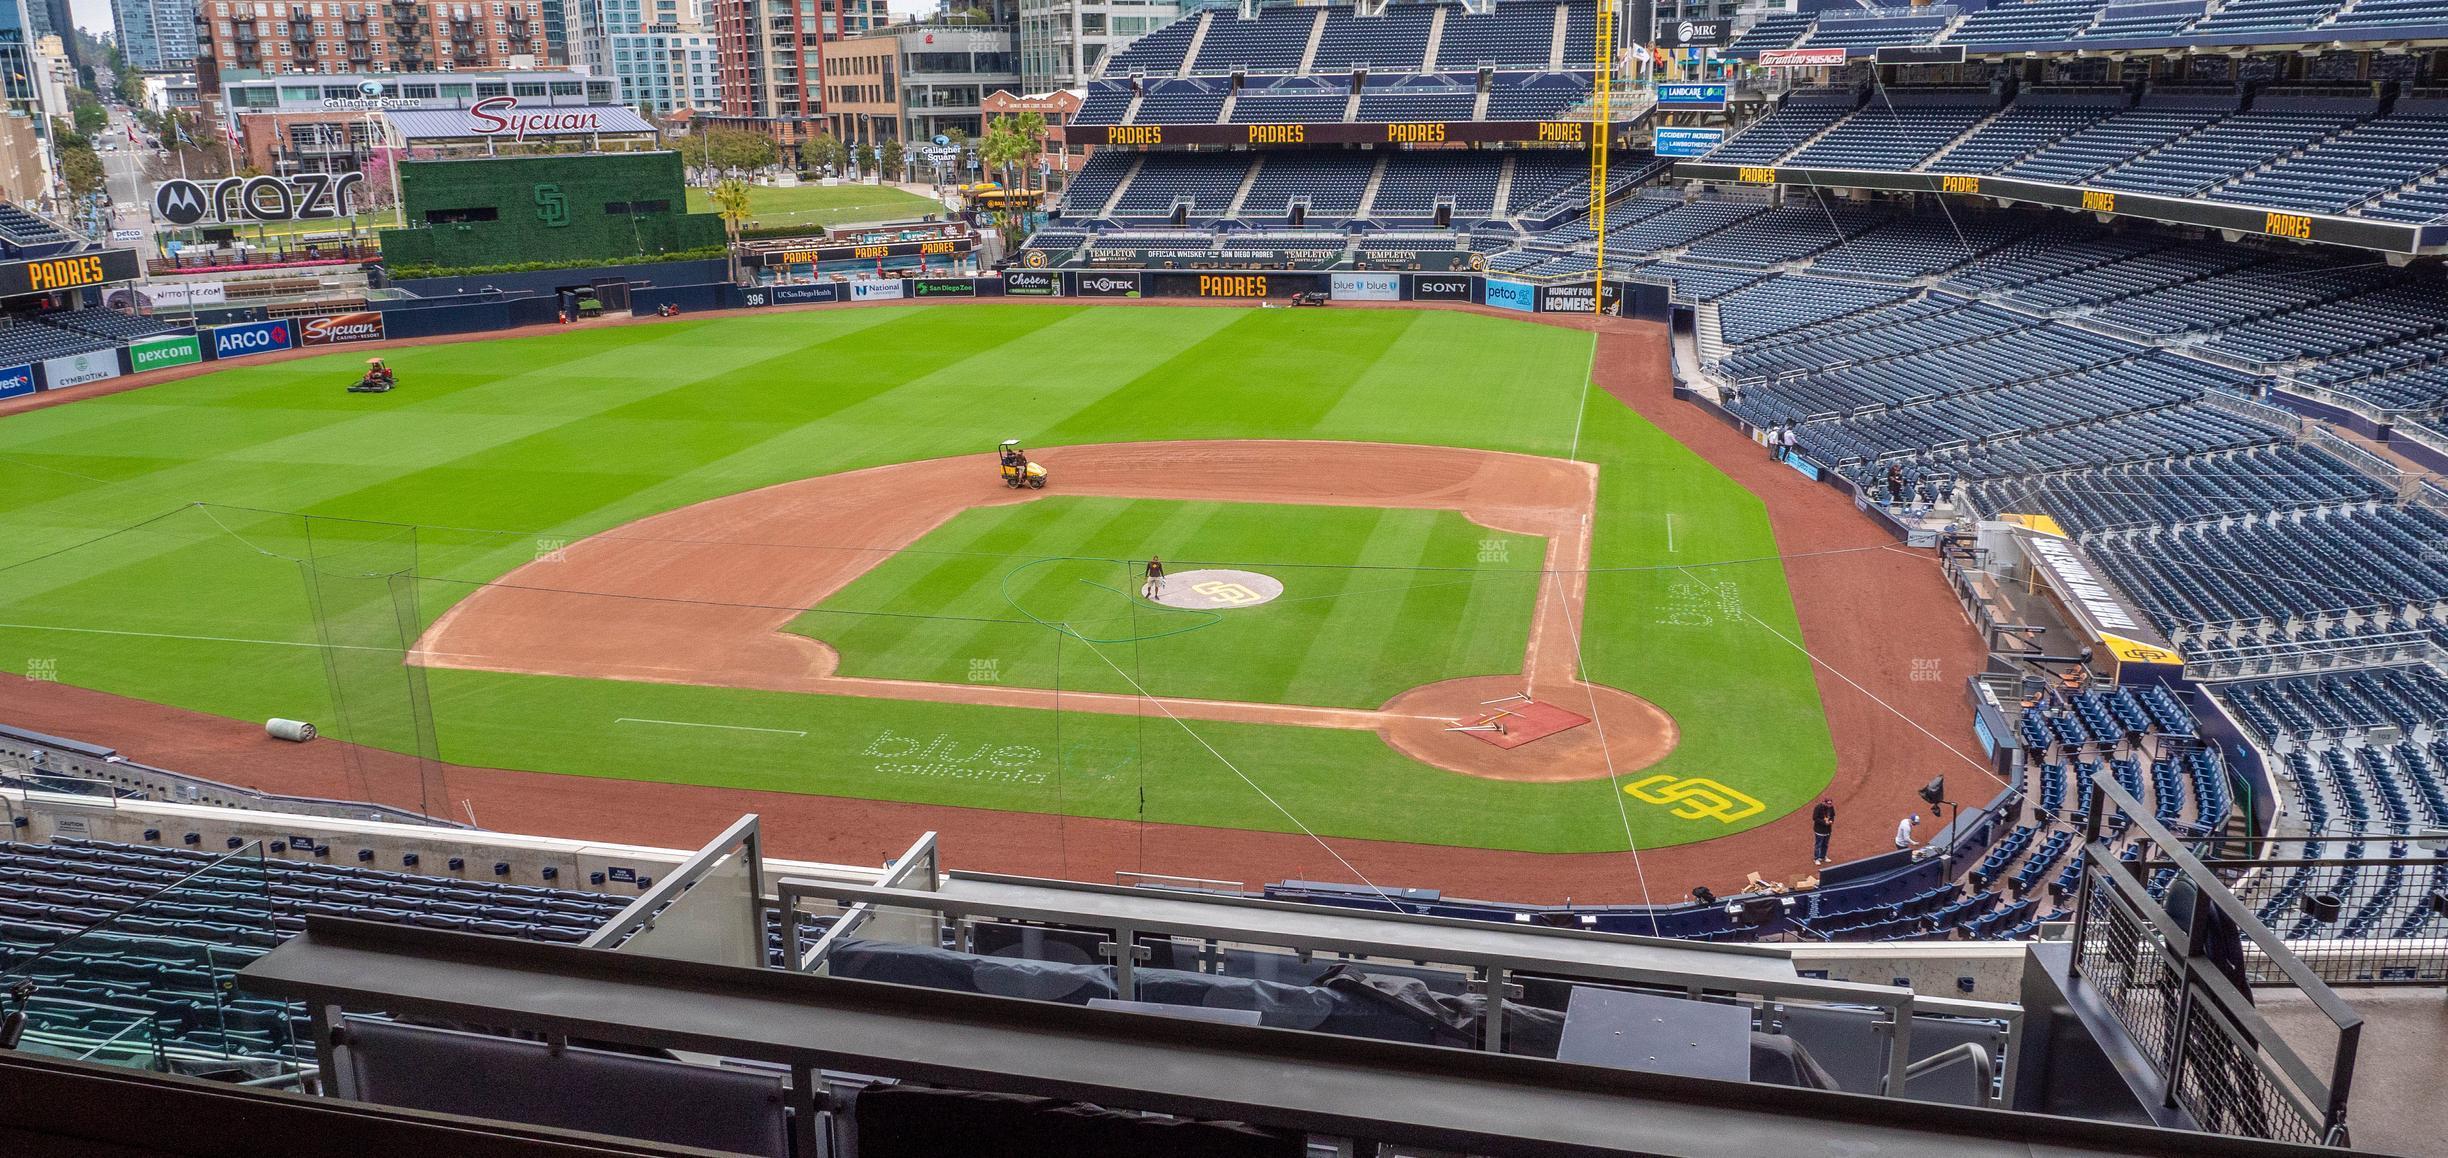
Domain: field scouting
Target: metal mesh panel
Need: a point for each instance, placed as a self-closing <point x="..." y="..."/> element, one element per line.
<point x="2128" y="962"/>
<point x="2226" y="1084"/>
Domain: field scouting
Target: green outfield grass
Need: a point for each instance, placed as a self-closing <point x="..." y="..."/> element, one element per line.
<point x="1375" y="602"/>
<point x="111" y="577"/>
<point x="814" y="204"/>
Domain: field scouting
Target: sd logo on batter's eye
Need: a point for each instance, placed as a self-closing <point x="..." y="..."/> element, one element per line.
<point x="1227" y="592"/>
<point x="1695" y="798"/>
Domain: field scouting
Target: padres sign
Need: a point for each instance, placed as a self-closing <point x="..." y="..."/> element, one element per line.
<point x="1695" y="797"/>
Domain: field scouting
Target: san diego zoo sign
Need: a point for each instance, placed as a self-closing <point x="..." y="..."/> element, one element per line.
<point x="299" y="197"/>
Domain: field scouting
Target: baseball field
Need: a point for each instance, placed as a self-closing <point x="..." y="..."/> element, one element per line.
<point x="770" y="551"/>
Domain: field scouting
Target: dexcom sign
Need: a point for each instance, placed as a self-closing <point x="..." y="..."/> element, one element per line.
<point x="251" y="338"/>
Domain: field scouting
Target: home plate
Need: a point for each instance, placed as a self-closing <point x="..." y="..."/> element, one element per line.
<point x="1521" y="721"/>
<point x="1216" y="590"/>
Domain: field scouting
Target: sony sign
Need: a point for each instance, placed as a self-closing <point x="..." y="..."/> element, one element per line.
<point x="494" y="116"/>
<point x="301" y="197"/>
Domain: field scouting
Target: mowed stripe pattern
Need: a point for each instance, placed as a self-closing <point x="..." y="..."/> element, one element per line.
<point x="1376" y="601"/>
<point x="534" y="441"/>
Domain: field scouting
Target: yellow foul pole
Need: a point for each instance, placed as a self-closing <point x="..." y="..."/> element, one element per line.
<point x="1602" y="126"/>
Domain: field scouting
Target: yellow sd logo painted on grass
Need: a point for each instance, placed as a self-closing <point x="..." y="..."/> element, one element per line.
<point x="1224" y="591"/>
<point x="1695" y="798"/>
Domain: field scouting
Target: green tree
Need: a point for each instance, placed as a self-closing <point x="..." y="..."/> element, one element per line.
<point x="895" y="159"/>
<point x="865" y="158"/>
<point x="727" y="151"/>
<point x="81" y="168"/>
<point x="90" y="116"/>
<point x="826" y="151"/>
<point x="731" y="204"/>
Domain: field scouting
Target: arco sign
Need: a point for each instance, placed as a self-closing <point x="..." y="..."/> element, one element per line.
<point x="300" y="197"/>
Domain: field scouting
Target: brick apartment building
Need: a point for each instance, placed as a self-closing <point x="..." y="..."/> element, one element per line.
<point x="258" y="37"/>
<point x="772" y="65"/>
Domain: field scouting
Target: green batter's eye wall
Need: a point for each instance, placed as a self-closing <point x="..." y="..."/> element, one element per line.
<point x="573" y="209"/>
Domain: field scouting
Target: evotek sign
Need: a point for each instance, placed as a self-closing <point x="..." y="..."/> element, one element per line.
<point x="300" y="197"/>
<point x="251" y="338"/>
<point x="498" y="116"/>
<point x="335" y="329"/>
<point x="1106" y="285"/>
<point x="162" y="353"/>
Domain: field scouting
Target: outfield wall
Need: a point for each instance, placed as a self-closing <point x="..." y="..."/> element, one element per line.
<point x="479" y="305"/>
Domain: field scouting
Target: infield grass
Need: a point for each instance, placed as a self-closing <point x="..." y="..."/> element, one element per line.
<point x="1375" y="602"/>
<point x="112" y="578"/>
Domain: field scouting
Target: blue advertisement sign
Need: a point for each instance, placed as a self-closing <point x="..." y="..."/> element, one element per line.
<point x="251" y="338"/>
<point x="16" y="381"/>
<point x="1511" y="295"/>
<point x="1674" y="141"/>
<point x="1709" y="95"/>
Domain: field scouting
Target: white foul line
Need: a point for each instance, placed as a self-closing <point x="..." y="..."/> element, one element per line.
<point x="1670" y="547"/>
<point x="726" y="727"/>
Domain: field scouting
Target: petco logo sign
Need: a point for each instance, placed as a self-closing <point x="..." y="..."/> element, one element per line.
<point x="1512" y="295"/>
<point x="494" y="116"/>
<point x="334" y="329"/>
<point x="252" y="338"/>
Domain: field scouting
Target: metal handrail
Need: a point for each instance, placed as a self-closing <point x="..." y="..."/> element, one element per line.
<point x="2323" y="1101"/>
<point x="1901" y="1005"/>
<point x="640" y="913"/>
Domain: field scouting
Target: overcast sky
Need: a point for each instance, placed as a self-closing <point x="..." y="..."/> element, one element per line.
<point x="91" y="15"/>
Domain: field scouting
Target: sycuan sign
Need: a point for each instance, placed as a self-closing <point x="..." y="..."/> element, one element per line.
<point x="164" y="352"/>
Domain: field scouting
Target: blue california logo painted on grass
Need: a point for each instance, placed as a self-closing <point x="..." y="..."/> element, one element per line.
<point x="942" y="757"/>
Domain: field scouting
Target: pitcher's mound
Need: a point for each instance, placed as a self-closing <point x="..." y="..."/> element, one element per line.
<point x="1628" y="733"/>
<point x="1513" y="723"/>
<point x="1217" y="590"/>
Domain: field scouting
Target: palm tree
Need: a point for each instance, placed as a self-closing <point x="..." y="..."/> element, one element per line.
<point x="731" y="202"/>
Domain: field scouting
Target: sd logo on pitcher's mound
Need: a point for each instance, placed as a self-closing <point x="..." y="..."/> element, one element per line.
<point x="1217" y="590"/>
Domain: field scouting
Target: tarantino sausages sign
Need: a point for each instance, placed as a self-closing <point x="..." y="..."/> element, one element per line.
<point x="336" y="329"/>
